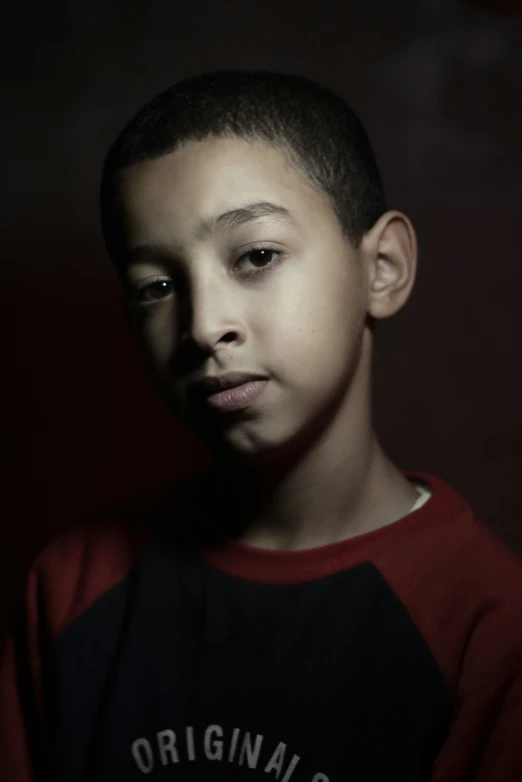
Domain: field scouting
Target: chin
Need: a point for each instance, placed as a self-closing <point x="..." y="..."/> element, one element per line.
<point x="257" y="445"/>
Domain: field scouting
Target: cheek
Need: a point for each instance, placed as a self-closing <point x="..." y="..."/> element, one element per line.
<point x="314" y="331"/>
<point x="158" y="338"/>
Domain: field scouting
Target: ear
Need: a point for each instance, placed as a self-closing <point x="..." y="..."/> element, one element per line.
<point x="389" y="252"/>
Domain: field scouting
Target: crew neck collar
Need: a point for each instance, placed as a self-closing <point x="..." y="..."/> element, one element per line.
<point x="254" y="564"/>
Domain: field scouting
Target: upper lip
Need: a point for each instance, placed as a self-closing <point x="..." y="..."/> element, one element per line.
<point x="214" y="383"/>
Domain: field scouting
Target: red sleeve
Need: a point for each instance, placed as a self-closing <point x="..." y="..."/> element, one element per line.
<point x="502" y="755"/>
<point x="485" y="739"/>
<point x="23" y="743"/>
<point x="66" y="578"/>
<point x="462" y="586"/>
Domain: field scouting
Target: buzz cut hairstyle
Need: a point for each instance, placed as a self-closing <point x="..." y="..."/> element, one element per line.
<point x="313" y="127"/>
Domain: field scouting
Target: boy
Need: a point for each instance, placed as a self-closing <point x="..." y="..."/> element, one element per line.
<point x="304" y="610"/>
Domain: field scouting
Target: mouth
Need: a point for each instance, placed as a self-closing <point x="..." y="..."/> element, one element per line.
<point x="229" y="391"/>
<point x="237" y="397"/>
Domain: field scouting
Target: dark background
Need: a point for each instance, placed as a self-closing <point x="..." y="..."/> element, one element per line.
<point x="437" y="84"/>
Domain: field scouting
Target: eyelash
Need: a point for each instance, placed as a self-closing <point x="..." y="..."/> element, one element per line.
<point x="248" y="274"/>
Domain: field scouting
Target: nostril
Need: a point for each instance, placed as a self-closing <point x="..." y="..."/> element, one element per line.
<point x="229" y="337"/>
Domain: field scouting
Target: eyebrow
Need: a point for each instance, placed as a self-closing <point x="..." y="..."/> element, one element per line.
<point x="244" y="214"/>
<point x="231" y="219"/>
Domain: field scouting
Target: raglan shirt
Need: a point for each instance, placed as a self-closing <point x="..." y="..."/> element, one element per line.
<point x="393" y="655"/>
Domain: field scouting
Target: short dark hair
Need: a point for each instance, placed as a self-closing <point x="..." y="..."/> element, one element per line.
<point x="315" y="127"/>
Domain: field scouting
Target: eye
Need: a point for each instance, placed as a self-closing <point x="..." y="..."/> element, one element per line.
<point x="154" y="291"/>
<point x="261" y="258"/>
<point x="159" y="289"/>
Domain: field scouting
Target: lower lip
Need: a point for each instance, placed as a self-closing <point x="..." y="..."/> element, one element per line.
<point x="238" y="397"/>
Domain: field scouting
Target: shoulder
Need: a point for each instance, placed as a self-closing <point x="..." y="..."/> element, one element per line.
<point x="484" y="567"/>
<point x="445" y="546"/>
<point x="94" y="556"/>
<point x="461" y="585"/>
<point x="492" y="572"/>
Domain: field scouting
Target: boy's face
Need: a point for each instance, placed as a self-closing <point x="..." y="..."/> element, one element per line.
<point x="299" y="322"/>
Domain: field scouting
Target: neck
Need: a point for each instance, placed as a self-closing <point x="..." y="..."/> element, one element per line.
<point x="313" y="507"/>
<point x="340" y="486"/>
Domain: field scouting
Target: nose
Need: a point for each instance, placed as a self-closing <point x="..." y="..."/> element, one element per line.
<point x="211" y="316"/>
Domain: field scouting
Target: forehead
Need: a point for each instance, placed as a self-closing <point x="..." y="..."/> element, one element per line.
<point x="181" y="191"/>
